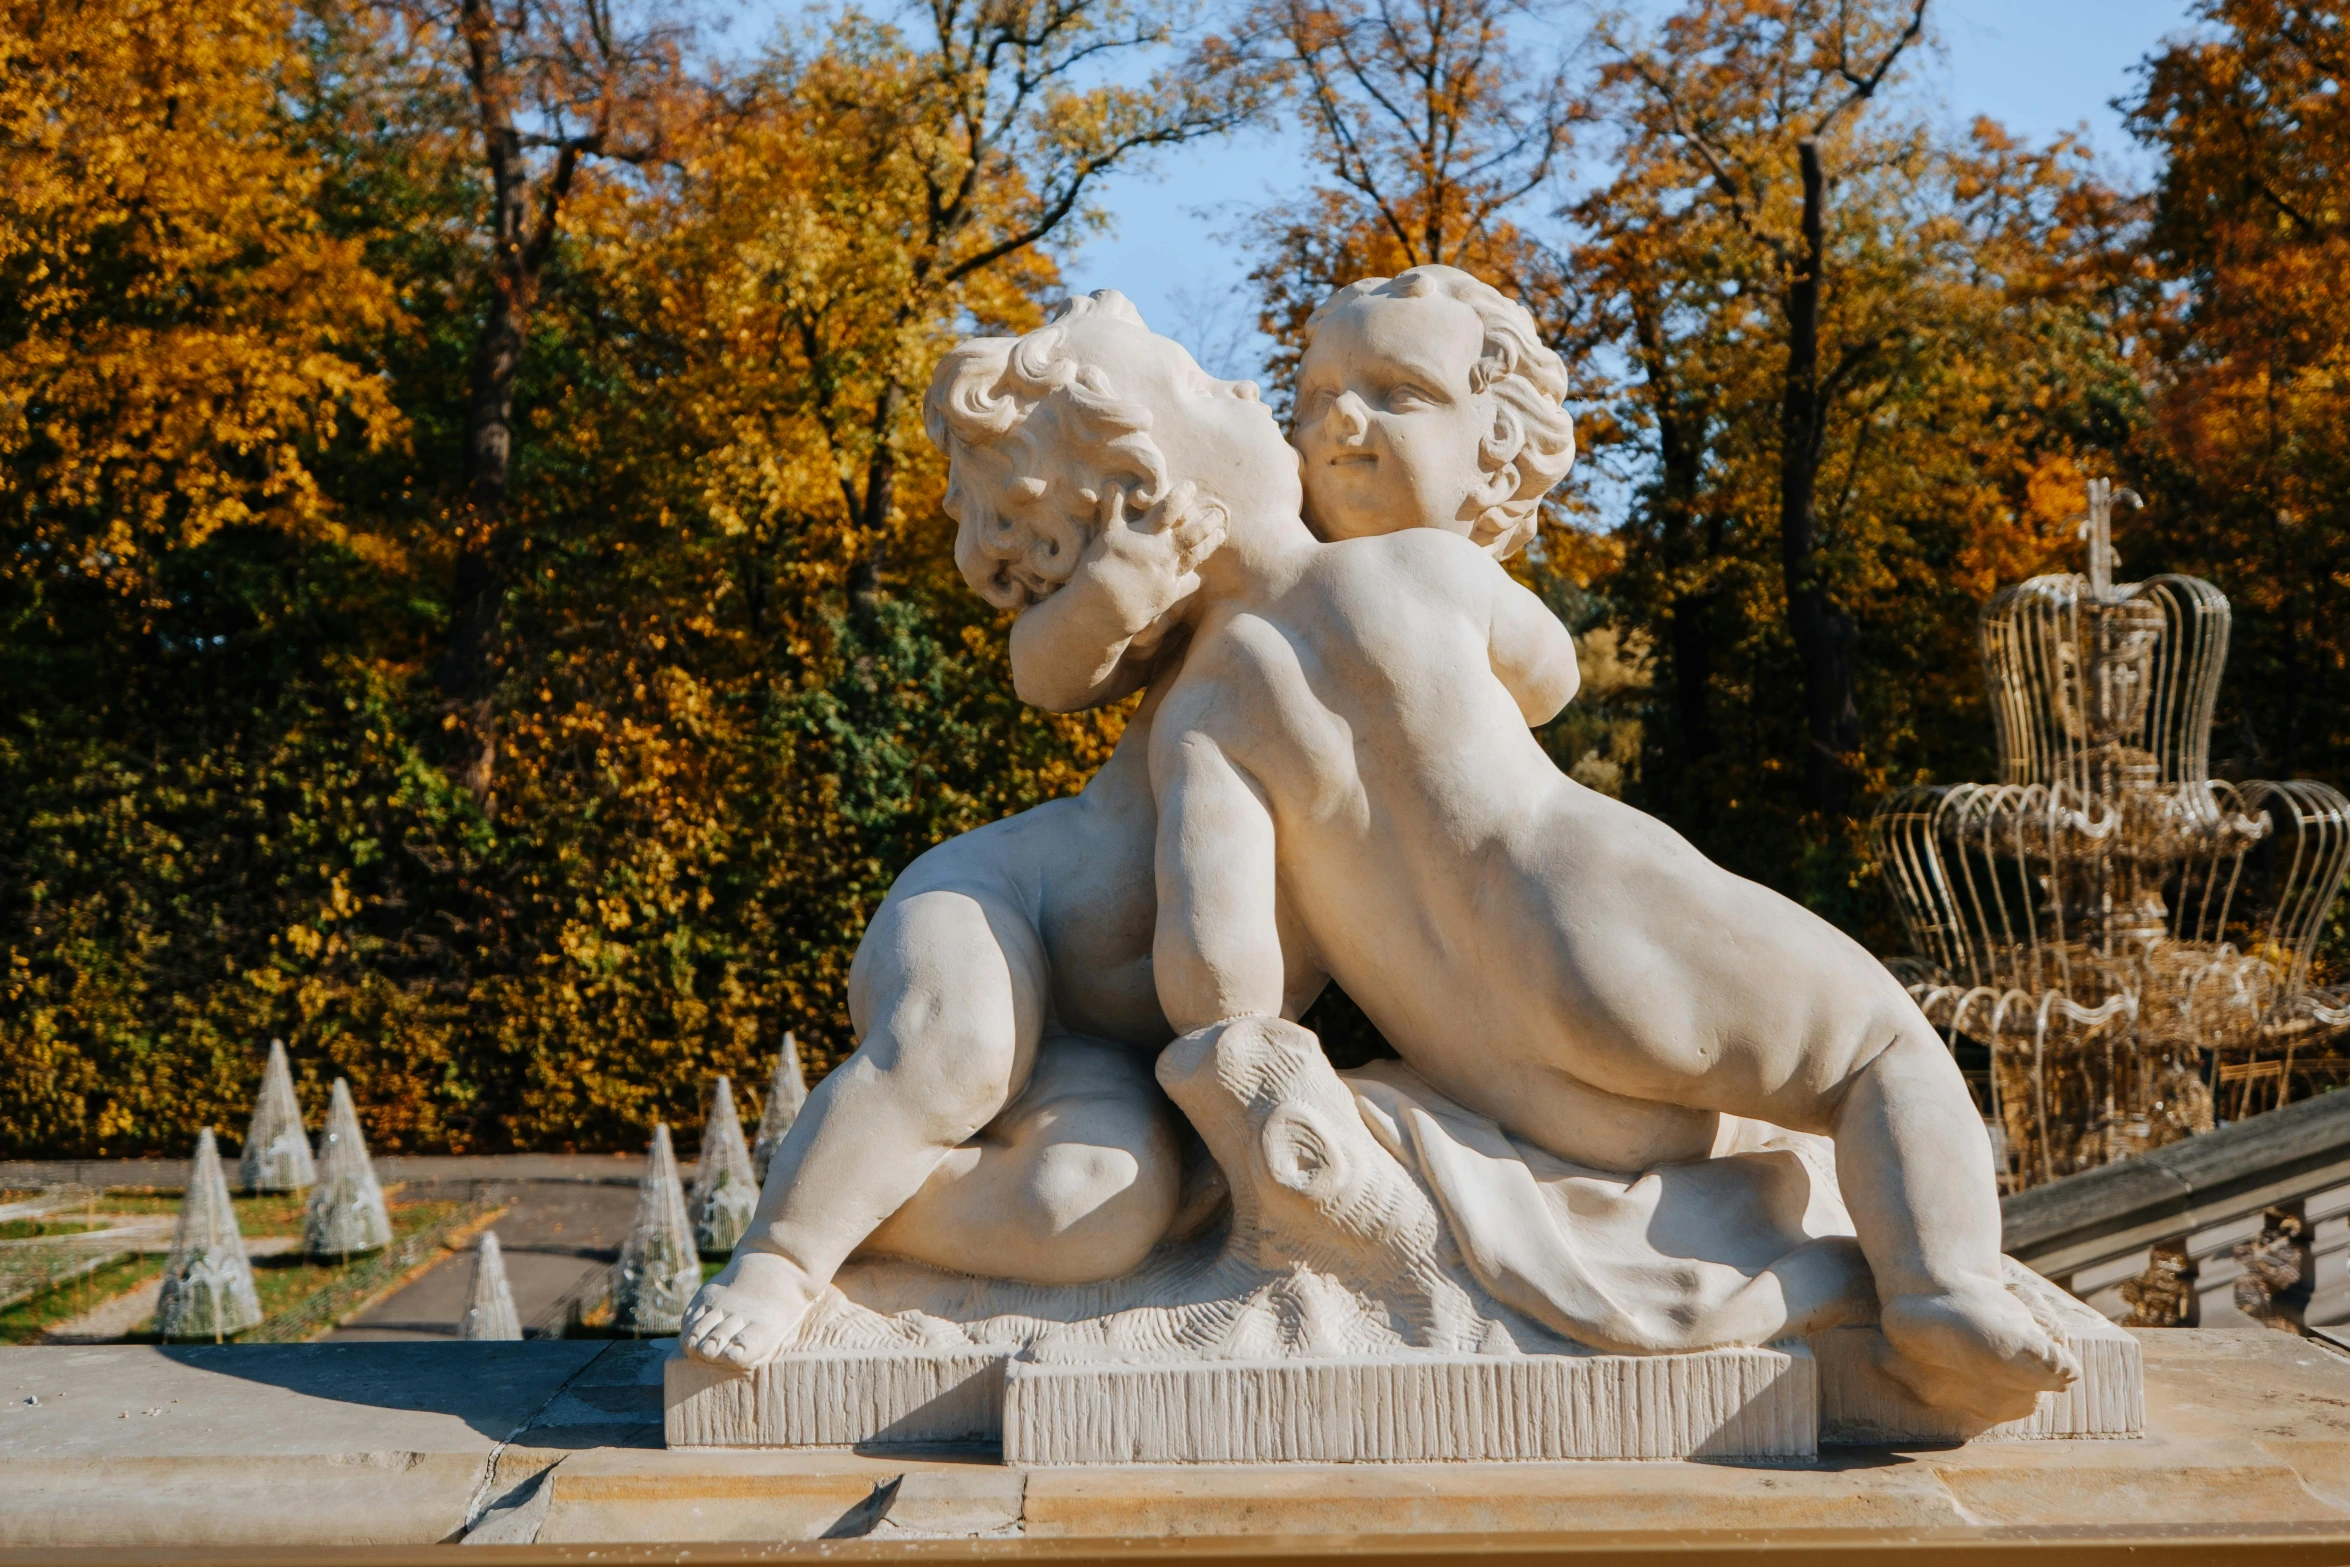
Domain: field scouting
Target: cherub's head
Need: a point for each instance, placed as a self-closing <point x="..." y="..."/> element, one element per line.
<point x="1429" y="400"/>
<point x="1090" y="417"/>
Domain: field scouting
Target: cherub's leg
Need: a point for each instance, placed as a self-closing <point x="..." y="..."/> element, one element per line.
<point x="1075" y="1182"/>
<point x="947" y="992"/>
<point x="1915" y="1166"/>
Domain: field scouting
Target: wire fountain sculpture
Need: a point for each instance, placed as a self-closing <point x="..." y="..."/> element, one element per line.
<point x="2122" y="941"/>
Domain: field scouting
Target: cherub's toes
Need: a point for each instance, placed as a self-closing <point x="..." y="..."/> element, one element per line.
<point x="715" y="1332"/>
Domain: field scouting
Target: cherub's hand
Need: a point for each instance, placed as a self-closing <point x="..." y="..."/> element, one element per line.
<point x="1148" y="566"/>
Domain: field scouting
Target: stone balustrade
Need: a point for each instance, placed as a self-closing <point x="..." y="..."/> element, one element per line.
<point x="2200" y="1199"/>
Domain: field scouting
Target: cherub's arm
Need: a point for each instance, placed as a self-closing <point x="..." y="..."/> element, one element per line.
<point x="1533" y="654"/>
<point x="1217" y="952"/>
<point x="1099" y="636"/>
<point x="1074" y="648"/>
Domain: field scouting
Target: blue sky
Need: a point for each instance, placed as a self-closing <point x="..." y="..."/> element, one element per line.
<point x="2040" y="66"/>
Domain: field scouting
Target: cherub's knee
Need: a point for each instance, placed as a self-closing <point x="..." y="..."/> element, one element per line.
<point x="961" y="1070"/>
<point x="950" y="988"/>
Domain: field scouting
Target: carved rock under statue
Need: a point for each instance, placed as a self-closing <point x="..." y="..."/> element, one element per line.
<point x="1593" y="1210"/>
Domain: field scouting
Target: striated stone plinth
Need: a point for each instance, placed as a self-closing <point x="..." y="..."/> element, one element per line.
<point x="838" y="1398"/>
<point x="1860" y="1406"/>
<point x="1781" y="1402"/>
<point x="1724" y="1403"/>
<point x="1720" y="1403"/>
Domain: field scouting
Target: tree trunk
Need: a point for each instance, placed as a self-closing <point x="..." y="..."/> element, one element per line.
<point x="881" y="487"/>
<point x="1680" y="460"/>
<point x="1823" y="633"/>
<point x="1691" y="611"/>
<point x="469" y="666"/>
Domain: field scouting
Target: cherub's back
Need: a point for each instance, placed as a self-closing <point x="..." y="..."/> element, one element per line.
<point x="1564" y="962"/>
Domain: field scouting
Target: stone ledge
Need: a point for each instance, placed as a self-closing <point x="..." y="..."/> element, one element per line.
<point x="2247" y="1434"/>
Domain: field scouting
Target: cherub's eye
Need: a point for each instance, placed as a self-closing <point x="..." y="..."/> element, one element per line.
<point x="1407" y="396"/>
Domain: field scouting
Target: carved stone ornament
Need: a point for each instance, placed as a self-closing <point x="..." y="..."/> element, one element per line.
<point x="1665" y="1157"/>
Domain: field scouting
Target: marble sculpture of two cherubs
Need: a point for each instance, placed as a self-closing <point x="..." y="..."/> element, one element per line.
<point x="1081" y="1117"/>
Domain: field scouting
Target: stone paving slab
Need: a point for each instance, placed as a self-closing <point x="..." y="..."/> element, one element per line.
<point x="329" y="1444"/>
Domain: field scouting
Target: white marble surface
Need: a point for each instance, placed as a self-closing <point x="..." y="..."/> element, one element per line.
<point x="1631" y="1083"/>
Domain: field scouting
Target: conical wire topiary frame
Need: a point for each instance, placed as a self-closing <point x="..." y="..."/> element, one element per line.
<point x="659" y="1269"/>
<point x="785" y="1095"/>
<point x="207" y="1283"/>
<point x="489" y="1303"/>
<point x="345" y="1215"/>
<point x="725" y="1191"/>
<point x="277" y="1150"/>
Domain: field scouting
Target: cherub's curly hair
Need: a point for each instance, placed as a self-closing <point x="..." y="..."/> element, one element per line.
<point x="1532" y="435"/>
<point x="1039" y="450"/>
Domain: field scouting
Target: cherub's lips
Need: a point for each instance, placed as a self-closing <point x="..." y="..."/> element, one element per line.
<point x="1348" y="459"/>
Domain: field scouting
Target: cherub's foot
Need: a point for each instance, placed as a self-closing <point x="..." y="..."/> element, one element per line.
<point x="1977" y="1349"/>
<point x="748" y="1311"/>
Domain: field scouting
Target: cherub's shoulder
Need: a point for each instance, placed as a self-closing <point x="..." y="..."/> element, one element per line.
<point x="1424" y="559"/>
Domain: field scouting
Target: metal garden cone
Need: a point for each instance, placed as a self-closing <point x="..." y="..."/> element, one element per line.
<point x="207" y="1284"/>
<point x="489" y="1305"/>
<point x="346" y="1210"/>
<point x="277" y="1150"/>
<point x="785" y="1095"/>
<point x="658" y="1270"/>
<point x="725" y="1191"/>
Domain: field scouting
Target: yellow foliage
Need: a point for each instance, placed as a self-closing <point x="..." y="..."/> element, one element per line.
<point x="177" y="333"/>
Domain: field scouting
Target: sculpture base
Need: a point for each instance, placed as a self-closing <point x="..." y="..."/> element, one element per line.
<point x="1726" y="1403"/>
<point x="838" y="1398"/>
<point x="1779" y="1402"/>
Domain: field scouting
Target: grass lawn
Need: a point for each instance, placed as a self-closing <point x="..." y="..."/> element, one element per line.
<point x="29" y="1318"/>
<point x="272" y="1213"/>
<point x="35" y="1229"/>
<point x="283" y="1282"/>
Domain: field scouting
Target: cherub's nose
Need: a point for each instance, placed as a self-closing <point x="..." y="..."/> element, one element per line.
<point x="1349" y="418"/>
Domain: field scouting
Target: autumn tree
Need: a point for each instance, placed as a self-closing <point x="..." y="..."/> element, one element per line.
<point x="535" y="91"/>
<point x="233" y="795"/>
<point x="2249" y="259"/>
<point x="1760" y="100"/>
<point x="1830" y="480"/>
<point x="1432" y="123"/>
<point x="175" y="321"/>
<point x="185" y="349"/>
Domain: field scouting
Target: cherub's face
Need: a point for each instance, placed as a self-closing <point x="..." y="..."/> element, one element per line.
<point x="1214" y="434"/>
<point x="1387" y="427"/>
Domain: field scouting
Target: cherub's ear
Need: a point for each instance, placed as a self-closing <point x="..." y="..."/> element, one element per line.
<point x="1494" y="505"/>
